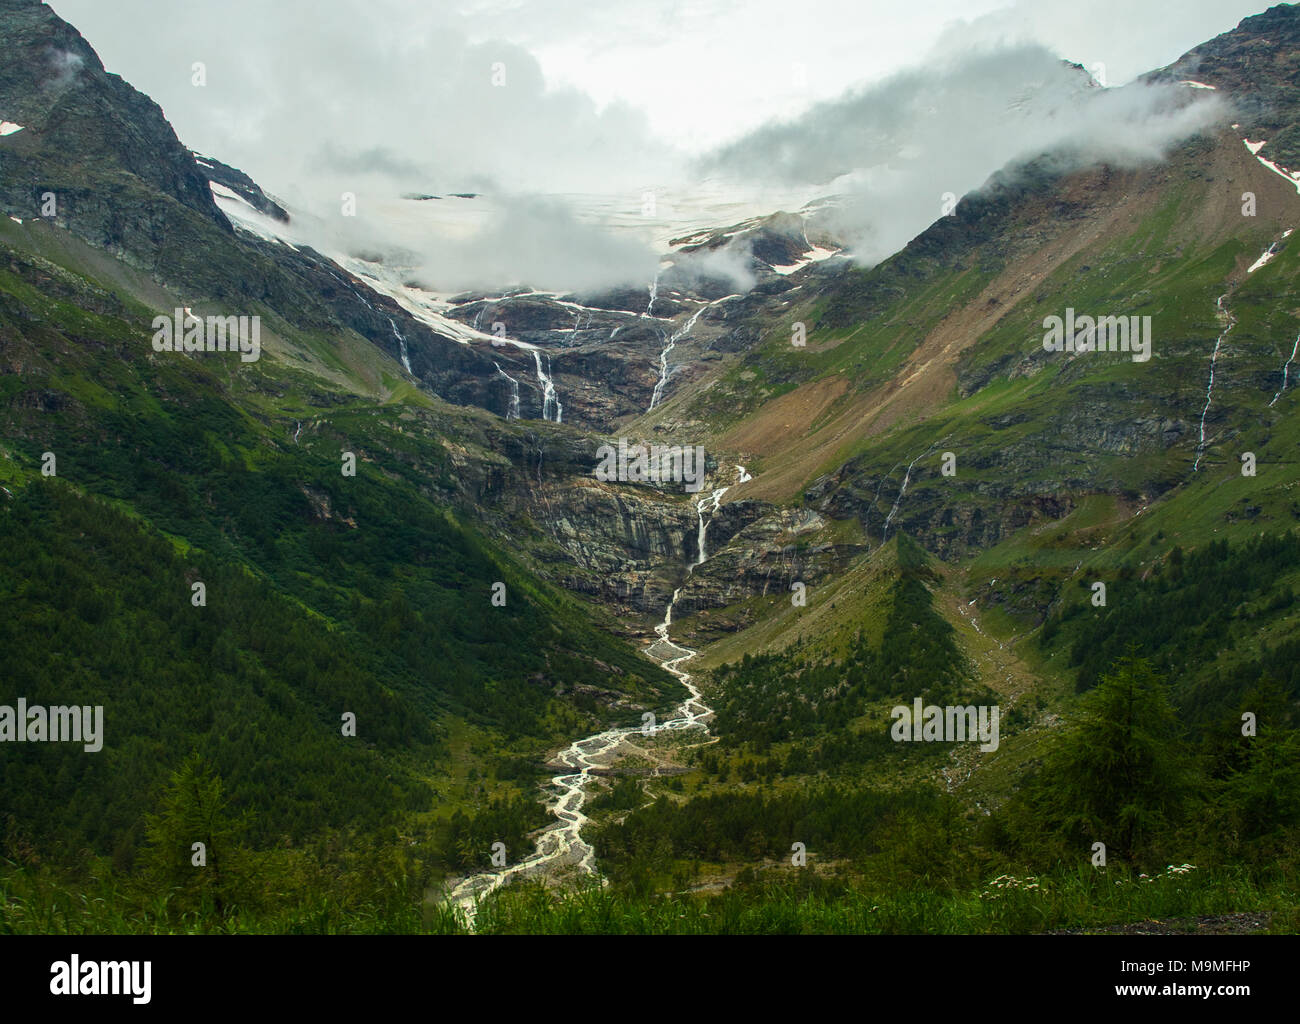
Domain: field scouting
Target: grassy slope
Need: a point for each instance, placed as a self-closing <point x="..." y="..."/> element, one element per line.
<point x="1092" y="500"/>
<point x="1050" y="475"/>
<point x="200" y="453"/>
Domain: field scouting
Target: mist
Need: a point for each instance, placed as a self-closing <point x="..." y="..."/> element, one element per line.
<point x="377" y="99"/>
<point x="901" y="152"/>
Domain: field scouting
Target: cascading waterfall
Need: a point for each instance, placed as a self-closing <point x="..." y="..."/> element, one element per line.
<point x="512" y="413"/>
<point x="1209" y="390"/>
<point x="673" y="339"/>
<point x="406" y="358"/>
<point x="338" y="276"/>
<point x="1286" y="371"/>
<point x="907" y="477"/>
<point x="866" y="519"/>
<point x="550" y="400"/>
<point x="662" y="628"/>
<point x="897" y="501"/>
<point x="1264" y="259"/>
<point x="563" y="844"/>
<point x="710" y="505"/>
<point x="654" y="293"/>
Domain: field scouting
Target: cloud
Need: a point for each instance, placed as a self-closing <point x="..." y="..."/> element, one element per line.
<point x="894" y="151"/>
<point x="727" y="267"/>
<point x="538" y="242"/>
<point x="1127" y="38"/>
<point x="291" y="83"/>
<point x="65" y="66"/>
<point x="379" y="98"/>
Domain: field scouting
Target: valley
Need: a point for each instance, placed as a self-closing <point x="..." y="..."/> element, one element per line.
<point x="620" y="584"/>
<point x="562" y="846"/>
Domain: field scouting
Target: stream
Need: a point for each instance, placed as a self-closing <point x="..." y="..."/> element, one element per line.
<point x="562" y="845"/>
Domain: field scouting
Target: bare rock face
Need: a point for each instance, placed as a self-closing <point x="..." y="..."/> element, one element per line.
<point x="242" y="185"/>
<point x="1255" y="64"/>
<point x="120" y="176"/>
<point x="630" y="546"/>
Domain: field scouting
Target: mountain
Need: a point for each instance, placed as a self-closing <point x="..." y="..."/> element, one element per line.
<point x="196" y="557"/>
<point x="906" y="495"/>
<point x="1256" y="64"/>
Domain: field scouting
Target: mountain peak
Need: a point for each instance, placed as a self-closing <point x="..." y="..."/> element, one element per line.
<point x="1254" y="64"/>
<point x="83" y="127"/>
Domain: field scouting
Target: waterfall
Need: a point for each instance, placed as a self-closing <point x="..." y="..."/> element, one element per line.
<point x="1209" y="390"/>
<point x="512" y="413"/>
<point x="1268" y="255"/>
<point x="709" y="504"/>
<point x="662" y="628"/>
<point x="549" y="397"/>
<point x="654" y="293"/>
<point x="1286" y="371"/>
<point x="563" y="844"/>
<point x="406" y="358"/>
<point x="663" y="356"/>
<point x="907" y="477"/>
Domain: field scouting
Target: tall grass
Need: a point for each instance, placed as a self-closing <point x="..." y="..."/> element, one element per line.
<point x="1072" y="898"/>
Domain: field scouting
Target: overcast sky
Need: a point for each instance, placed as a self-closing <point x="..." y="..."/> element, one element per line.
<point x="555" y="97"/>
<point x="702" y="71"/>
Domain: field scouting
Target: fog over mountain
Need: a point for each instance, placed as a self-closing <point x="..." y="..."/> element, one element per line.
<point x="392" y="97"/>
<point x="896" y="149"/>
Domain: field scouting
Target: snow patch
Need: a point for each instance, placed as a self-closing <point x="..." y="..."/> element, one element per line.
<point x="815" y="255"/>
<point x="1270" y="253"/>
<point x="1292" y="178"/>
<point x="247" y="217"/>
<point x="1263" y="261"/>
